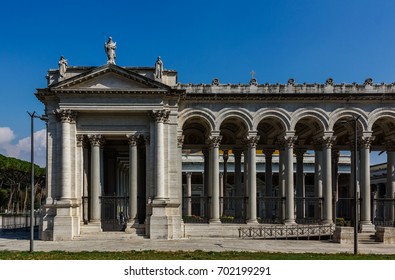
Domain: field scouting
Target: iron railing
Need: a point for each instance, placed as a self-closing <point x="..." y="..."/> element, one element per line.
<point x="285" y="232"/>
<point x="114" y="211"/>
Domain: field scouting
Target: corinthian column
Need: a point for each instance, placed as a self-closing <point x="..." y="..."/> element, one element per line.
<point x="214" y="142"/>
<point x="252" y="142"/>
<point x="132" y="178"/>
<point x="160" y="116"/>
<point x="327" y="178"/>
<point x="366" y="220"/>
<point x="289" y="180"/>
<point x="65" y="117"/>
<point x="96" y="141"/>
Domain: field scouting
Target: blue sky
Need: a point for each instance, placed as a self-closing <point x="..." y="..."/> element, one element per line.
<point x="308" y="40"/>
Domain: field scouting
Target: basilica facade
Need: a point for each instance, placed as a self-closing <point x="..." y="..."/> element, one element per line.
<point x="131" y="149"/>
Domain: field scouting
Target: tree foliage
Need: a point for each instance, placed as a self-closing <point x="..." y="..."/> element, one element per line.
<point x="15" y="184"/>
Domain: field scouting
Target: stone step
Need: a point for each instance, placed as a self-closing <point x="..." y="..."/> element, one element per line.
<point x="109" y="236"/>
<point x="367" y="238"/>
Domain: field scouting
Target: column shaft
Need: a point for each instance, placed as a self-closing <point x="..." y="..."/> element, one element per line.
<point x="132" y="178"/>
<point x="252" y="199"/>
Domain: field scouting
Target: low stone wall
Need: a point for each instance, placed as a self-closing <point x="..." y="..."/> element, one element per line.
<point x="211" y="230"/>
<point x="343" y="235"/>
<point x="386" y="234"/>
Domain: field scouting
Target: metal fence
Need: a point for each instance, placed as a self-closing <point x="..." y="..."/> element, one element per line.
<point x="285" y="232"/>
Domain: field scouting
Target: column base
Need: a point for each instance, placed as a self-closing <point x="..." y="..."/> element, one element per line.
<point x="289" y="222"/>
<point x="214" y="221"/>
<point x="252" y="221"/>
<point x="326" y="222"/>
<point x="367" y="227"/>
<point x="165" y="220"/>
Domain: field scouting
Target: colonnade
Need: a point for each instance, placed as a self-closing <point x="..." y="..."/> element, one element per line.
<point x="292" y="190"/>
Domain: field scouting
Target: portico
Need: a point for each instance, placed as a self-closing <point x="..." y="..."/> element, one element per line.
<point x="165" y="154"/>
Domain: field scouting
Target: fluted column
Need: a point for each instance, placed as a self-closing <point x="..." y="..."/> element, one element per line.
<point x="132" y="139"/>
<point x="65" y="117"/>
<point x="300" y="187"/>
<point x="390" y="188"/>
<point x="366" y="220"/>
<point x="96" y="141"/>
<point x="214" y="142"/>
<point x="327" y="179"/>
<point x="252" y="142"/>
<point x="188" y="194"/>
<point x="160" y="116"/>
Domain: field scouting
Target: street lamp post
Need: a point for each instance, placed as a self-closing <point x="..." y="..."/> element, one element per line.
<point x="32" y="117"/>
<point x="355" y="120"/>
<point x="355" y="123"/>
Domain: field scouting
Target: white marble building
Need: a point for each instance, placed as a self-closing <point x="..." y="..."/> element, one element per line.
<point x="117" y="137"/>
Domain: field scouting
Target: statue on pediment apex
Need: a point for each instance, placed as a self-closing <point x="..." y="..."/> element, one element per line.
<point x="110" y="47"/>
<point x="62" y="66"/>
<point x="158" y="69"/>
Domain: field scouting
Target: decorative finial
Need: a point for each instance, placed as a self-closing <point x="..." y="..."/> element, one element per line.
<point x="291" y="82"/>
<point x="253" y="80"/>
<point x="215" y="82"/>
<point x="329" y="82"/>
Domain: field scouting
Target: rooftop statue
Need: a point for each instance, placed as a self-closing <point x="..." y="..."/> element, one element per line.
<point x="110" y="47"/>
<point x="158" y="69"/>
<point x="62" y="66"/>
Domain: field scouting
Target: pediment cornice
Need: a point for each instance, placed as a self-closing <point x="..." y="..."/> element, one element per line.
<point x="109" y="71"/>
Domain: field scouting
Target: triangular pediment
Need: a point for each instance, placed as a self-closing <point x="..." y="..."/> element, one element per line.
<point x="111" y="77"/>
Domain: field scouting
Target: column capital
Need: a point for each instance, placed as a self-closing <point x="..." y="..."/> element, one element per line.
<point x="180" y="141"/>
<point x="160" y="115"/>
<point x="96" y="139"/>
<point x="132" y="139"/>
<point x="237" y="153"/>
<point x="65" y="115"/>
<point x="252" y="141"/>
<point x="300" y="152"/>
<point x="287" y="141"/>
<point x="366" y="142"/>
<point x="215" y="141"/>
<point x="328" y="141"/>
<point x="269" y="152"/>
<point x="81" y="140"/>
<point x="189" y="174"/>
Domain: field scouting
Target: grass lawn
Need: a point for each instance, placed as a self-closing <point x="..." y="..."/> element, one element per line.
<point x="182" y="255"/>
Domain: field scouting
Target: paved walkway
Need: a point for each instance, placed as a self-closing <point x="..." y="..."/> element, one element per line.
<point x="20" y="242"/>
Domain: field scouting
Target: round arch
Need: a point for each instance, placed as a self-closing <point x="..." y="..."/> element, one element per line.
<point x="280" y="114"/>
<point x="190" y="113"/>
<point x="377" y="114"/>
<point x="314" y="113"/>
<point x="241" y="114"/>
<point x="340" y="113"/>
